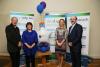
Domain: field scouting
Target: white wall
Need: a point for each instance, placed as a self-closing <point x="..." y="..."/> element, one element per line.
<point x="92" y="6"/>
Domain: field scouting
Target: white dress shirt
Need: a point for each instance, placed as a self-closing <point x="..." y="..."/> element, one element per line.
<point x="72" y="27"/>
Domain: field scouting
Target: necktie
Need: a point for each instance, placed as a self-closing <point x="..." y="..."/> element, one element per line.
<point x="71" y="29"/>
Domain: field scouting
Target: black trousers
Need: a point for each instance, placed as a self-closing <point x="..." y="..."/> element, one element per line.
<point x="15" y="58"/>
<point x="30" y="59"/>
<point x="76" y="56"/>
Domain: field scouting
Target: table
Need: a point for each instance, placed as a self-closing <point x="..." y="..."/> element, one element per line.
<point x="43" y="55"/>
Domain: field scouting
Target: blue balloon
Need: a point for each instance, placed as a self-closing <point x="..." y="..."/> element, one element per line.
<point x="44" y="4"/>
<point x="43" y="49"/>
<point x="40" y="8"/>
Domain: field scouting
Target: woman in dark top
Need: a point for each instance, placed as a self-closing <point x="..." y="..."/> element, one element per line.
<point x="61" y="42"/>
<point x="29" y="40"/>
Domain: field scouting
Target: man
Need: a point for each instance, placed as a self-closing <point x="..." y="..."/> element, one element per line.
<point x="74" y="39"/>
<point x="13" y="40"/>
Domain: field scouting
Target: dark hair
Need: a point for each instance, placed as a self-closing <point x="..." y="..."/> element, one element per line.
<point x="76" y="17"/>
<point x="29" y="23"/>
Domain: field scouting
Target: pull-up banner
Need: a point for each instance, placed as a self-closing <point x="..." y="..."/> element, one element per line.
<point x="84" y="20"/>
<point x="51" y="23"/>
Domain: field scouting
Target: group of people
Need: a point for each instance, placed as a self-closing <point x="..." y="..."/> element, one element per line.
<point x="29" y="40"/>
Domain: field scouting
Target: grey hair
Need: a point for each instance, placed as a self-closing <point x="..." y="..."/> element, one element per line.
<point x="13" y="18"/>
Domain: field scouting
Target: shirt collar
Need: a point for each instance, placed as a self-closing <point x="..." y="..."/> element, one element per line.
<point x="74" y="24"/>
<point x="13" y="25"/>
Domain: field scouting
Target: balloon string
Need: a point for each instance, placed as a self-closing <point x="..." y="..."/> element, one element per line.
<point x="41" y="17"/>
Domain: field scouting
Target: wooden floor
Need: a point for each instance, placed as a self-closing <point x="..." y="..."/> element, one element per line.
<point x="52" y="64"/>
<point x="95" y="63"/>
<point x="5" y="62"/>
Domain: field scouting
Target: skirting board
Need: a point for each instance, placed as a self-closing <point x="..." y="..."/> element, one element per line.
<point x="4" y="54"/>
<point x="95" y="57"/>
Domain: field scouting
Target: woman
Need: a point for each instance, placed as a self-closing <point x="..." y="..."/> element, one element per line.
<point x="30" y="40"/>
<point x="61" y="38"/>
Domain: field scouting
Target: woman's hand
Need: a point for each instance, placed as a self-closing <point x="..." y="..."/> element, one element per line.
<point x="28" y="46"/>
<point x="32" y="45"/>
<point x="59" y="44"/>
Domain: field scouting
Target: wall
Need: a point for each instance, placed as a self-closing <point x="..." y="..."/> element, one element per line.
<point x="91" y="6"/>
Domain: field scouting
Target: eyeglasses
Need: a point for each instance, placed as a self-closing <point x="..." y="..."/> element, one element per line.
<point x="73" y="19"/>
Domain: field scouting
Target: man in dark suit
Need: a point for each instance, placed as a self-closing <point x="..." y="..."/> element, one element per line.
<point x="74" y="39"/>
<point x="13" y="40"/>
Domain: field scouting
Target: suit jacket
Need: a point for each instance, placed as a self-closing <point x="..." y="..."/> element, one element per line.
<point x="75" y="35"/>
<point x="13" y="38"/>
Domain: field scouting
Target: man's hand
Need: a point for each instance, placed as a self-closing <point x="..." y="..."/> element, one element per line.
<point x="19" y="44"/>
<point x="70" y="44"/>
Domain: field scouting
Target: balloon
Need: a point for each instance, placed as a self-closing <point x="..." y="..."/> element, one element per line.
<point x="44" y="4"/>
<point x="40" y="8"/>
<point x="43" y="49"/>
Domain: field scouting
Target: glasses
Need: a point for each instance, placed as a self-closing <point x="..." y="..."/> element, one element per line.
<point x="72" y="19"/>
